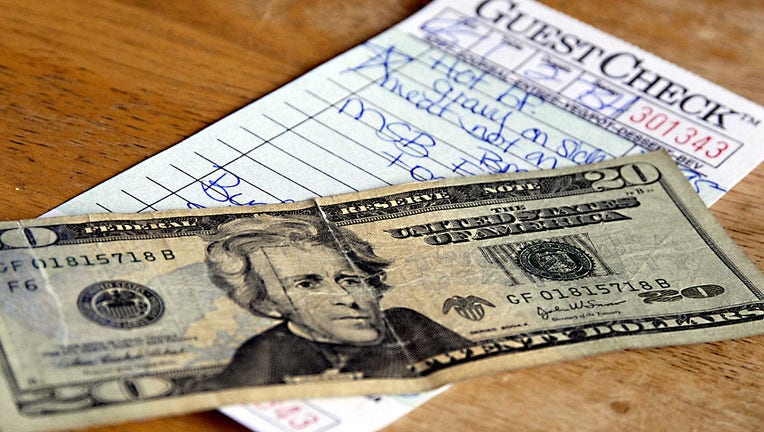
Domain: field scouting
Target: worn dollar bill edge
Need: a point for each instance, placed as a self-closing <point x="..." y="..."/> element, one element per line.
<point x="685" y="199"/>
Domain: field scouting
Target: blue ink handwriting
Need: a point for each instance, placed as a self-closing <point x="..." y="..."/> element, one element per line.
<point x="699" y="182"/>
<point x="223" y="190"/>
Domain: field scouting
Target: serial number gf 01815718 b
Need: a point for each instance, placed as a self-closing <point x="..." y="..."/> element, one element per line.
<point x="590" y="290"/>
<point x="128" y="257"/>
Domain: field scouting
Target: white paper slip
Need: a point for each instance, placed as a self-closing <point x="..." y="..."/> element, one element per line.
<point x="461" y="88"/>
<point x="347" y="414"/>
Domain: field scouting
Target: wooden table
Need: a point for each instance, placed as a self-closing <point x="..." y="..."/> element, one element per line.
<point x="89" y="88"/>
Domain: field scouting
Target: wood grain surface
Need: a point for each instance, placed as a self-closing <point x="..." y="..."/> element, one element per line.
<point x="90" y="88"/>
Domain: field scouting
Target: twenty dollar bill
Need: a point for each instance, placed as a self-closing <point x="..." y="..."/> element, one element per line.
<point x="106" y="318"/>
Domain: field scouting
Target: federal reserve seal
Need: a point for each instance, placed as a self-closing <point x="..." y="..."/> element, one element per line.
<point x="120" y="304"/>
<point x="556" y="261"/>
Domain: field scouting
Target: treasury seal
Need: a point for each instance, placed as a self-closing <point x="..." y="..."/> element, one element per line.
<point x="120" y="304"/>
<point x="556" y="261"/>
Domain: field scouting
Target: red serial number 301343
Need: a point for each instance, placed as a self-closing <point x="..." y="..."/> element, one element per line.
<point x="672" y="129"/>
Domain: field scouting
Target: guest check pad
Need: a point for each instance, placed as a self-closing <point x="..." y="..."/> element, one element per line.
<point x="461" y="88"/>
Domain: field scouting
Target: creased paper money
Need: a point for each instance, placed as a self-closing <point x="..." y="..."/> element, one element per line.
<point x="106" y="318"/>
